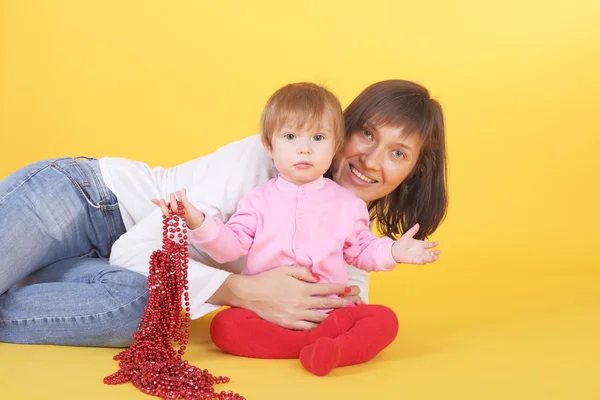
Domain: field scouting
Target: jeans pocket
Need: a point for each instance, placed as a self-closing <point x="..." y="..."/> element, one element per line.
<point x="93" y="254"/>
<point x="86" y="178"/>
<point x="80" y="179"/>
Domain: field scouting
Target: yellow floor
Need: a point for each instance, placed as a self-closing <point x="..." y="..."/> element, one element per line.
<point x="467" y="333"/>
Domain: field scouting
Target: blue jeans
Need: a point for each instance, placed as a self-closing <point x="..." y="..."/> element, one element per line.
<point x="58" y="222"/>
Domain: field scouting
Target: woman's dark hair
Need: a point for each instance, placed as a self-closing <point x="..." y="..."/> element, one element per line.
<point x="422" y="197"/>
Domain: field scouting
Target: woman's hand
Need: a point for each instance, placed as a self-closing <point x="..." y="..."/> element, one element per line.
<point x="193" y="217"/>
<point x="286" y="296"/>
<point x="353" y="295"/>
<point x="408" y="250"/>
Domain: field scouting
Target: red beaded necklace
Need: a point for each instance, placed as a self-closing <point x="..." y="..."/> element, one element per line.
<point x="151" y="363"/>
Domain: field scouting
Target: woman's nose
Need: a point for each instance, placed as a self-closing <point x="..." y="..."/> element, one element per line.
<point x="372" y="159"/>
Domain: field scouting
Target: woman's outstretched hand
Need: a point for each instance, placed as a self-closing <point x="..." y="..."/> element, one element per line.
<point x="286" y="296"/>
<point x="408" y="250"/>
<point x="193" y="217"/>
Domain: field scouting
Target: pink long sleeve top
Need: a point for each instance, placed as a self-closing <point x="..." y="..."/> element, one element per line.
<point x="319" y="225"/>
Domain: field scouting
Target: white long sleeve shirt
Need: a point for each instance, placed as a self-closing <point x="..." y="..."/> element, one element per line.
<point x="214" y="183"/>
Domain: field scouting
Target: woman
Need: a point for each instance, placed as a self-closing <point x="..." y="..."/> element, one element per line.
<point x="61" y="219"/>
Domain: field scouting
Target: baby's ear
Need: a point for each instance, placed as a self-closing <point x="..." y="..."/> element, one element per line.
<point x="267" y="147"/>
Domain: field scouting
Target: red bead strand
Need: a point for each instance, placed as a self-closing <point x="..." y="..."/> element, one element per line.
<point x="151" y="363"/>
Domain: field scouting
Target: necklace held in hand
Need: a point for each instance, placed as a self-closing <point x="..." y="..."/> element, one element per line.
<point x="151" y="363"/>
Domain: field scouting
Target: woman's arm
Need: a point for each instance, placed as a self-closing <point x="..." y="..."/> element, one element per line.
<point x="358" y="280"/>
<point x="285" y="296"/>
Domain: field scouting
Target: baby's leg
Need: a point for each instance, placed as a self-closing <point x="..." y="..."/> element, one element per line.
<point x="373" y="328"/>
<point x="242" y="332"/>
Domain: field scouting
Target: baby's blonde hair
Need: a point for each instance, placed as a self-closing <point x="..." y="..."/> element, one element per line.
<point x="305" y="104"/>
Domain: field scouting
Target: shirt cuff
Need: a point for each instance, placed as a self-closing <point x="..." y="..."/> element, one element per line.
<point x="201" y="288"/>
<point x="205" y="232"/>
<point x="384" y="258"/>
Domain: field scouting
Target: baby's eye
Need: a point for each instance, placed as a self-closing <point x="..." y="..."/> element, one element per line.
<point x="398" y="154"/>
<point x="289" y="136"/>
<point x="318" y="138"/>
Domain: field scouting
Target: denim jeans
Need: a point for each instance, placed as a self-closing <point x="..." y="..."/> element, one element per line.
<point x="58" y="221"/>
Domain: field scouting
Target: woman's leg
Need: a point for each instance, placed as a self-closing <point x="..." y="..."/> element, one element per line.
<point x="79" y="302"/>
<point x="53" y="210"/>
<point x="55" y="214"/>
<point x="348" y="336"/>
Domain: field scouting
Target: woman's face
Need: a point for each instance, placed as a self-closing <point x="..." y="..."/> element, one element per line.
<point x="375" y="160"/>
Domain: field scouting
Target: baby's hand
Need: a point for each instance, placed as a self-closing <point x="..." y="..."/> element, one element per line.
<point x="408" y="250"/>
<point x="193" y="217"/>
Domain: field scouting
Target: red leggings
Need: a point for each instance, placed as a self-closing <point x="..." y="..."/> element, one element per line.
<point x="348" y="336"/>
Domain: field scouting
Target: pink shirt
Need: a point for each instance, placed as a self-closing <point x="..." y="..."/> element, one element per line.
<point x="319" y="225"/>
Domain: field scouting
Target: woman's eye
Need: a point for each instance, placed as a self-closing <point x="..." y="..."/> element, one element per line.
<point x="398" y="154"/>
<point x="289" y="136"/>
<point x="368" y="134"/>
<point x="318" y="138"/>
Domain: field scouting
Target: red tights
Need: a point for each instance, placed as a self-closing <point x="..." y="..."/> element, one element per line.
<point x="348" y="336"/>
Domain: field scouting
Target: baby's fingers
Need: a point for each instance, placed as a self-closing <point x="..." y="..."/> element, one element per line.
<point x="430" y="245"/>
<point x="163" y="206"/>
<point x="173" y="202"/>
<point x="412" y="231"/>
<point x="184" y="200"/>
<point x="432" y="256"/>
<point x="183" y="195"/>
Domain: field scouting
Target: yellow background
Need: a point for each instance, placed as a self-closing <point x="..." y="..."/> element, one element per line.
<point x="510" y="311"/>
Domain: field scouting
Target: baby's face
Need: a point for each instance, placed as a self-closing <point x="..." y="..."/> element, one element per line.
<point x="303" y="153"/>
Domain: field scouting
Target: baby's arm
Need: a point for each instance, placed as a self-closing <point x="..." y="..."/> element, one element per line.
<point x="368" y="252"/>
<point x="362" y="248"/>
<point x="223" y="242"/>
<point x="408" y="250"/>
<point x="226" y="242"/>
